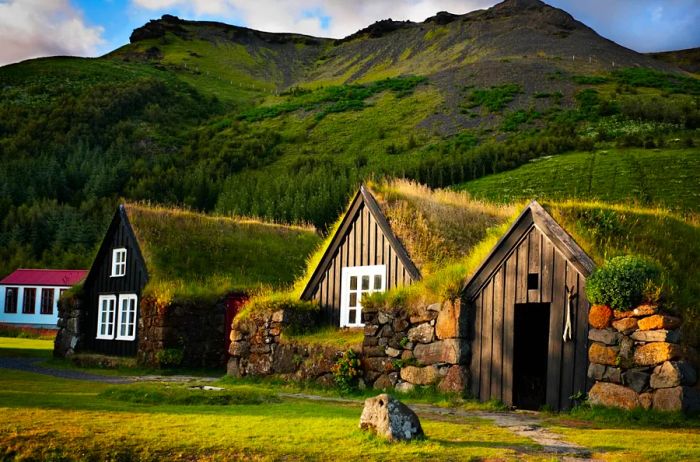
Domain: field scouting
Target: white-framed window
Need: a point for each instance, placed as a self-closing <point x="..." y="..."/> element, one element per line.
<point x="356" y="282"/>
<point x="106" y="306"/>
<point x="126" y="327"/>
<point x="118" y="262"/>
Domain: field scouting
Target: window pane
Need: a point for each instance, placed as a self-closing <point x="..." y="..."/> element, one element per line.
<point x="352" y="316"/>
<point x="11" y="300"/>
<point x="353" y="282"/>
<point x="377" y="282"/>
<point x="365" y="282"/>
<point x="353" y="299"/>
<point x="29" y="301"/>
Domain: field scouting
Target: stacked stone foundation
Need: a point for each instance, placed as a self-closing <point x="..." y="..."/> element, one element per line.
<point x="403" y="350"/>
<point x="400" y="350"/>
<point x="258" y="349"/>
<point x="636" y="360"/>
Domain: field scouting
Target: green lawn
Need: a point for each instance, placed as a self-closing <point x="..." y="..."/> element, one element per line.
<point x="46" y="418"/>
<point x="666" y="177"/>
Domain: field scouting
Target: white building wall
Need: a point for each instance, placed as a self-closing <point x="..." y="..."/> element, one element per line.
<point x="37" y="319"/>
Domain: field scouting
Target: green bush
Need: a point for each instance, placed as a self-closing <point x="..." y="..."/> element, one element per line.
<point x="346" y="372"/>
<point x="623" y="282"/>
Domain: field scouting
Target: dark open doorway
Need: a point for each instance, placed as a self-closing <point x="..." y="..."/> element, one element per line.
<point x="530" y="353"/>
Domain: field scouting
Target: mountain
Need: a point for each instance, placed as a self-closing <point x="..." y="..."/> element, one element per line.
<point x="224" y="118"/>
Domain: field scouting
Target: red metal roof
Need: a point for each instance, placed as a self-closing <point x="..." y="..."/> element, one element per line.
<point x="44" y="277"/>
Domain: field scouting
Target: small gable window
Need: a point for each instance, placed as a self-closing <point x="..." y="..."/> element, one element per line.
<point x="118" y="262"/>
<point x="105" y="316"/>
<point x="126" y="328"/>
<point x="356" y="282"/>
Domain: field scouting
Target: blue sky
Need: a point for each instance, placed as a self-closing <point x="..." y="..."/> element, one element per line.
<point x="31" y="28"/>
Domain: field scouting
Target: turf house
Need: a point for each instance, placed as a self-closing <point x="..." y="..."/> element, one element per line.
<point x="496" y="308"/>
<point x="529" y="316"/>
<point x="164" y="283"/>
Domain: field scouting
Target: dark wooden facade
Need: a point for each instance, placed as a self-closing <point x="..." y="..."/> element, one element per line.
<point x="530" y="268"/>
<point x="364" y="237"/>
<point x="98" y="282"/>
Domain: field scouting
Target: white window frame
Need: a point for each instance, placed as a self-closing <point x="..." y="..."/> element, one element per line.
<point x="345" y="292"/>
<point x="110" y="315"/>
<point x="118" y="265"/>
<point x="123" y="320"/>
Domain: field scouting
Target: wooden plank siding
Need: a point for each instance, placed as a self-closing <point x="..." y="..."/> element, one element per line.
<point x="365" y="243"/>
<point x="99" y="282"/>
<point x="531" y="252"/>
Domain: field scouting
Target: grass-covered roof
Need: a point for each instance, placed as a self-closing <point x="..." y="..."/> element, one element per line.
<point x="190" y="254"/>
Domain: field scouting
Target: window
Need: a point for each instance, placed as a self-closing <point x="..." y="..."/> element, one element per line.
<point x="533" y="281"/>
<point x="127" y="317"/>
<point x="11" y="300"/>
<point x="357" y="281"/>
<point x="118" y="262"/>
<point x="105" y="316"/>
<point x="60" y="292"/>
<point x="46" y="301"/>
<point x="29" y="302"/>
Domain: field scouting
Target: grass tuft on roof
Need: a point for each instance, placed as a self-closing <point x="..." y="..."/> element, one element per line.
<point x="192" y="255"/>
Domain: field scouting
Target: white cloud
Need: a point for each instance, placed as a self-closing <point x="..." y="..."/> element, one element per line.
<point x="33" y="28"/>
<point x="307" y="16"/>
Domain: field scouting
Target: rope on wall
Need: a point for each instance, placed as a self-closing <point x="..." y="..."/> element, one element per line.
<point x="570" y="295"/>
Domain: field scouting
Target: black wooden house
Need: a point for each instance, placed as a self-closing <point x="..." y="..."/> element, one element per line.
<point x="528" y="309"/>
<point x="112" y="291"/>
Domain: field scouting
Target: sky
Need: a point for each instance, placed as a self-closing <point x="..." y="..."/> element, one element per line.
<point x="35" y="28"/>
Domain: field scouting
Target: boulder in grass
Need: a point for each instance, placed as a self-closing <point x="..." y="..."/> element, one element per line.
<point x="390" y="418"/>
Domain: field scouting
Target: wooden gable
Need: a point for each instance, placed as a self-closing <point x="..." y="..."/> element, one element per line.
<point x="364" y="237"/>
<point x="535" y="262"/>
<point x="99" y="282"/>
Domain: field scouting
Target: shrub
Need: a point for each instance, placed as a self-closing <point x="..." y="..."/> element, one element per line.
<point x="623" y="282"/>
<point x="346" y="371"/>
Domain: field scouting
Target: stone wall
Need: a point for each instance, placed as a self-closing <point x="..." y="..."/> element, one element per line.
<point x="403" y="350"/>
<point x="636" y="360"/>
<point x="70" y="320"/>
<point x="399" y="351"/>
<point x="194" y="330"/>
<point x="258" y="349"/>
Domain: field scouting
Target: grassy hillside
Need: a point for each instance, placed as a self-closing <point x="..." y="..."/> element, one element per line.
<point x="284" y="126"/>
<point x="663" y="177"/>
